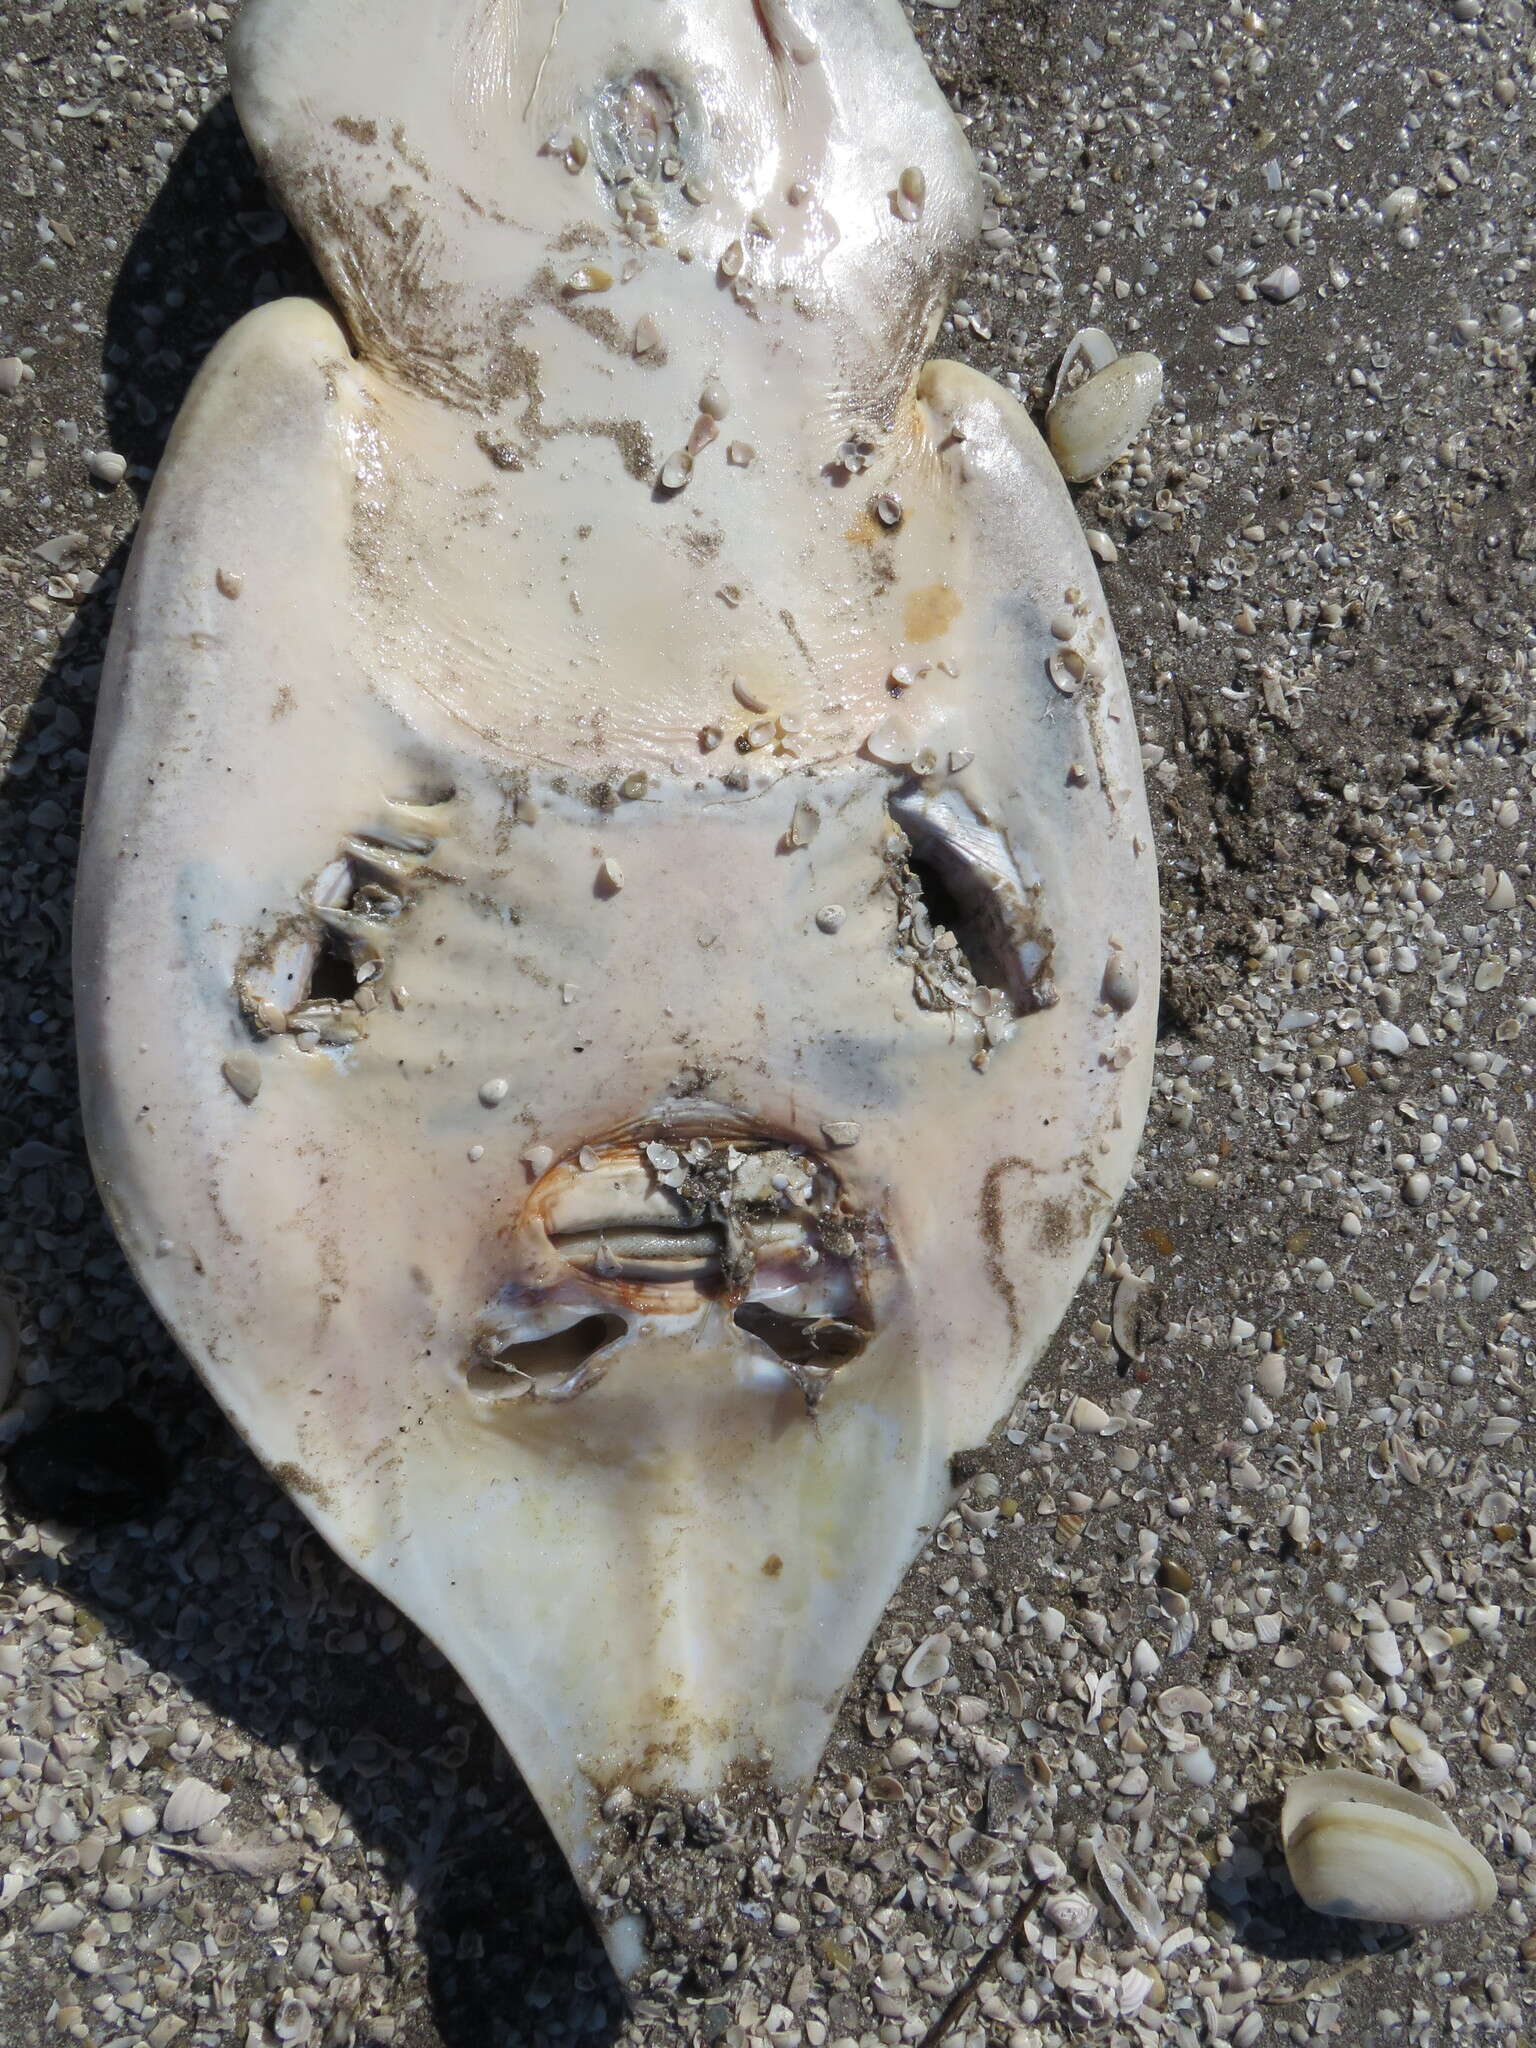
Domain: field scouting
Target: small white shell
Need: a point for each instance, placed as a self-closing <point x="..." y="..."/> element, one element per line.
<point x="191" y="1806"/>
<point x="928" y="1663"/>
<point x="1072" y="1915"/>
<point x="242" y="1070"/>
<point x="1361" y="1848"/>
<point x="1092" y="425"/>
<point x="892" y="743"/>
<point x="1088" y="1417"/>
<point x="1122" y="982"/>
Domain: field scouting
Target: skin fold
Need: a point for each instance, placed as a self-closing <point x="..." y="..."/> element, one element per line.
<point x="522" y="1053"/>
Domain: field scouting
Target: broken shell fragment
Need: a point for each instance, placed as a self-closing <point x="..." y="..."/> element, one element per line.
<point x="242" y="1070"/>
<point x="1094" y="423"/>
<point x="1138" y="1908"/>
<point x="1125" y="1319"/>
<point x="911" y="191"/>
<point x="892" y="742"/>
<point x="804" y="825"/>
<point x="588" y="277"/>
<point x="676" y="470"/>
<point x="1282" y="284"/>
<point x="1363" y="1848"/>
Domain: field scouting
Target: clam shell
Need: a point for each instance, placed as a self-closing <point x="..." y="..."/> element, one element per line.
<point x="1072" y="1915"/>
<point x="191" y="1806"/>
<point x="1092" y="425"/>
<point x="1361" y="1848"/>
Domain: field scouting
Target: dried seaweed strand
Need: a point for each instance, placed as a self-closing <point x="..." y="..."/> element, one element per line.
<point x="966" y="1996"/>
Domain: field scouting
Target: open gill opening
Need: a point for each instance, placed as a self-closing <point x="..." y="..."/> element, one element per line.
<point x="802" y="1340"/>
<point x="967" y="918"/>
<point x="333" y="972"/>
<point x="512" y="1367"/>
<point x="959" y="902"/>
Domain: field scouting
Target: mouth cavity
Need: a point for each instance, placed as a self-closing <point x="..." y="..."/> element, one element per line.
<point x="668" y="1225"/>
<point x="701" y="1215"/>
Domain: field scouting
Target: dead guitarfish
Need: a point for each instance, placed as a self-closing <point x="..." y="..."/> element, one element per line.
<point x="618" y="935"/>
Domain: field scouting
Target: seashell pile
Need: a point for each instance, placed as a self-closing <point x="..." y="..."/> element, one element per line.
<point x="1362" y="1848"/>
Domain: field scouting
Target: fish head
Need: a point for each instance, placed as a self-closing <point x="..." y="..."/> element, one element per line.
<point x="724" y="1143"/>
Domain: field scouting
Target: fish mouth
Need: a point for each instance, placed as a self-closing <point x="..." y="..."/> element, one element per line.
<point x="695" y="1218"/>
<point x="693" y="1212"/>
<point x="633" y="1252"/>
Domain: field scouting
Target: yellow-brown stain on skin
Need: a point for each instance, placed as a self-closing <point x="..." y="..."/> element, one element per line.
<point x="931" y="611"/>
<point x="864" y="532"/>
<point x="772" y="1565"/>
<point x="992" y="1219"/>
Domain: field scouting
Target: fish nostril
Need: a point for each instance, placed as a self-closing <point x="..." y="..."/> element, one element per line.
<point x="551" y="1367"/>
<point x="333" y="975"/>
<point x="827" y="1341"/>
<point x="947" y="912"/>
<point x="307" y="975"/>
<point x="969" y="922"/>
